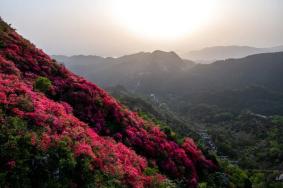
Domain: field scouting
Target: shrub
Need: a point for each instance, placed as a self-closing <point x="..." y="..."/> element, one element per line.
<point x="150" y="171"/>
<point x="25" y="103"/>
<point x="277" y="120"/>
<point x="42" y="84"/>
<point x="168" y="131"/>
<point x="2" y="45"/>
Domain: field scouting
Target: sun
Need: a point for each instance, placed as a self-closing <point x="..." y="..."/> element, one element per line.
<point x="162" y="19"/>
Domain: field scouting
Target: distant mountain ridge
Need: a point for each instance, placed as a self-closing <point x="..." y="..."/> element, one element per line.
<point x="211" y="54"/>
<point x="253" y="83"/>
<point x="140" y="69"/>
<point x="157" y="57"/>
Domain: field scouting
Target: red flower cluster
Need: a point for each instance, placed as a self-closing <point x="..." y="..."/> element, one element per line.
<point x="59" y="124"/>
<point x="92" y="105"/>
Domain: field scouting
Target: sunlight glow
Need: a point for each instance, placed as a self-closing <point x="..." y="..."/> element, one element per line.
<point x="163" y="19"/>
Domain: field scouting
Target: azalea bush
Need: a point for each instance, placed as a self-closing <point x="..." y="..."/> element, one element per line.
<point x="25" y="165"/>
<point x="43" y="144"/>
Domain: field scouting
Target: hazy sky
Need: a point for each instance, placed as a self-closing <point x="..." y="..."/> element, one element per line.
<point x="96" y="27"/>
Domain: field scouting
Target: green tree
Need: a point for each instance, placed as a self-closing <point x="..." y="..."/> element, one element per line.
<point x="42" y="84"/>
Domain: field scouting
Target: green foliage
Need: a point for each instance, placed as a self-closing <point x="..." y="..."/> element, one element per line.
<point x="254" y="141"/>
<point x="237" y="176"/>
<point x="277" y="120"/>
<point x="148" y="110"/>
<point x="24" y="165"/>
<point x="251" y="141"/>
<point x="202" y="185"/>
<point x="150" y="171"/>
<point x="42" y="84"/>
<point x="166" y="184"/>
<point x="2" y="45"/>
<point x="168" y="131"/>
<point x="258" y="179"/>
<point x="14" y="147"/>
<point x="25" y="103"/>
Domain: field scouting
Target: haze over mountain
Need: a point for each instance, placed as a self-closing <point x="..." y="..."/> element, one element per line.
<point x="211" y="54"/>
<point x="136" y="70"/>
<point x="168" y="76"/>
<point x="253" y="83"/>
<point x="115" y="28"/>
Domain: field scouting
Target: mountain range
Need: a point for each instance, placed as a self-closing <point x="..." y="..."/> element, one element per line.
<point x="136" y="70"/>
<point x="170" y="78"/>
<point x="211" y="54"/>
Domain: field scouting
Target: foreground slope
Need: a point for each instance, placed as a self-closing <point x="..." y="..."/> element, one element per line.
<point x="98" y="114"/>
<point x="41" y="141"/>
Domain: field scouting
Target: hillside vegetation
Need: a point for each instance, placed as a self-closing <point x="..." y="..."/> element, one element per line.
<point x="59" y="130"/>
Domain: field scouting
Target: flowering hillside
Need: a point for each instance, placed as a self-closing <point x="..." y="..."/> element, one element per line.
<point x="72" y="131"/>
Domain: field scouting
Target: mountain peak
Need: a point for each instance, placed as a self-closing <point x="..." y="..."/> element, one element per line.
<point x="162" y="53"/>
<point x="163" y="57"/>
